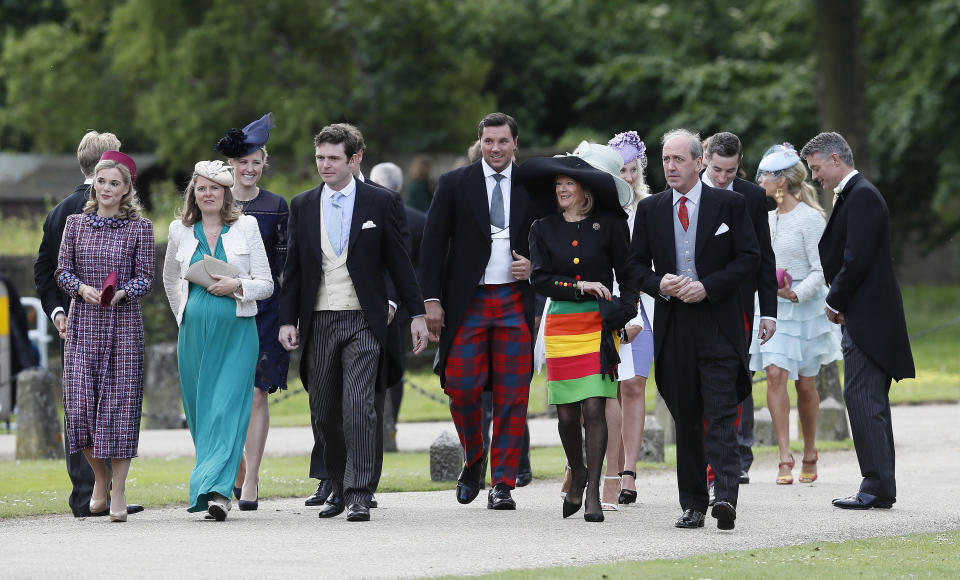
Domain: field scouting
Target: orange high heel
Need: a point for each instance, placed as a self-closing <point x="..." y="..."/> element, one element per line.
<point x="788" y="478"/>
<point x="809" y="476"/>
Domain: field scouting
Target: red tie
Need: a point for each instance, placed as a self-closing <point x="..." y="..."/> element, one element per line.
<point x="684" y="218"/>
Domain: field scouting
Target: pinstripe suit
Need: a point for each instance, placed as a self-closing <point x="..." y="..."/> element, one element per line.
<point x="857" y="264"/>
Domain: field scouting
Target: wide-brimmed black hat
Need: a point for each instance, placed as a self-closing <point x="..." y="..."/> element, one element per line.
<point x="538" y="176"/>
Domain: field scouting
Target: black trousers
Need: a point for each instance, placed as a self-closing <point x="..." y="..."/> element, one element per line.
<point x="866" y="389"/>
<point x="697" y="376"/>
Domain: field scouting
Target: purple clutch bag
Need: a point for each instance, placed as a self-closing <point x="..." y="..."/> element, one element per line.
<point x="784" y="279"/>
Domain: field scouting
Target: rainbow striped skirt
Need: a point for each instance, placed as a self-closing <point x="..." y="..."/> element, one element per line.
<point x="572" y="344"/>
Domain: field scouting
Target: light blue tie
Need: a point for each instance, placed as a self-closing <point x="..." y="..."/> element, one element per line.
<point x="496" y="204"/>
<point x="336" y="232"/>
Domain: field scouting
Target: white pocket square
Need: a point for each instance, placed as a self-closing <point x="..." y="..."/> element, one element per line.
<point x="724" y="228"/>
<point x="368" y="225"/>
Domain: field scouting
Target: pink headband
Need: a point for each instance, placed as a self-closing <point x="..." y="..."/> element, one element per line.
<point x="124" y="160"/>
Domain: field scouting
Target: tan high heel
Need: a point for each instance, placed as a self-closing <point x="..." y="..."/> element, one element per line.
<point x="809" y="476"/>
<point x="121" y="515"/>
<point x="788" y="478"/>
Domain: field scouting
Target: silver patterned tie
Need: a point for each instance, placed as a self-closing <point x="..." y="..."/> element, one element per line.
<point x="336" y="232"/>
<point x="496" y="204"/>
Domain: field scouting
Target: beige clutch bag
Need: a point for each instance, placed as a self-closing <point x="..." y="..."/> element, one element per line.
<point x="201" y="272"/>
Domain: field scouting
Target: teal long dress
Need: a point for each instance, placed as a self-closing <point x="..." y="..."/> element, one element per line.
<point x="217" y="356"/>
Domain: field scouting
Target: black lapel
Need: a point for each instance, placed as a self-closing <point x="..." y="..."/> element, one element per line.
<point x="312" y="209"/>
<point x="708" y="216"/>
<point x="664" y="222"/>
<point x="361" y="207"/>
<point x="519" y="200"/>
<point x="475" y="189"/>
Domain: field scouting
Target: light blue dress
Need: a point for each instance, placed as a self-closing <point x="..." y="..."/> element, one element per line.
<point x="217" y="356"/>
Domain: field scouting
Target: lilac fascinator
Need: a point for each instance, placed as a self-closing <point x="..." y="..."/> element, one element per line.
<point x="630" y="147"/>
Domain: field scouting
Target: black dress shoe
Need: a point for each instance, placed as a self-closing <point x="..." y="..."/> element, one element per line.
<point x="468" y="484"/>
<point x="132" y="508"/>
<point x="358" y="512"/>
<point x="744" y="477"/>
<point x="691" y="518"/>
<point x="524" y="477"/>
<point x="499" y="498"/>
<point x="372" y="502"/>
<point x="725" y="514"/>
<point x="320" y="496"/>
<point x="864" y="501"/>
<point x="333" y="507"/>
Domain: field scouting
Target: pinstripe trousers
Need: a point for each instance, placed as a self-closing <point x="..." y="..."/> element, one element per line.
<point x="866" y="389"/>
<point x="342" y="366"/>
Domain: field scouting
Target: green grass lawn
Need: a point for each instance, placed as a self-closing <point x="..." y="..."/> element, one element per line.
<point x="935" y="555"/>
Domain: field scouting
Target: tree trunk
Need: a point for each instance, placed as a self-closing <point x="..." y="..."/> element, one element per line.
<point x="840" y="84"/>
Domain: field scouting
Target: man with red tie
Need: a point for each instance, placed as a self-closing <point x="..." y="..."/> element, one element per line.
<point x="703" y="246"/>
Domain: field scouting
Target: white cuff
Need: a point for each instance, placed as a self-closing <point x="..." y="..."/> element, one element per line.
<point x="832" y="309"/>
<point x="431" y="300"/>
<point x="392" y="305"/>
<point x="56" y="311"/>
<point x="768" y="318"/>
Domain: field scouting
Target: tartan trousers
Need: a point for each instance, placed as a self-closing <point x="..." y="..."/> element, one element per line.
<point x="492" y="349"/>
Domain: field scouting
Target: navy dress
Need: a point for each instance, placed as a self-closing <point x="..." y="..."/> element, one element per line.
<point x="270" y="211"/>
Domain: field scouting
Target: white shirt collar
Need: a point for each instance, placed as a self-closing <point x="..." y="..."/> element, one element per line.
<point x="347" y="191"/>
<point x="692" y="195"/>
<point x="843" y="182"/>
<point x="361" y="177"/>
<point x="706" y="179"/>
<point x="88" y="181"/>
<point x="488" y="171"/>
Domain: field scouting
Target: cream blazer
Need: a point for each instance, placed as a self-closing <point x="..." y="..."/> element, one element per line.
<point x="244" y="248"/>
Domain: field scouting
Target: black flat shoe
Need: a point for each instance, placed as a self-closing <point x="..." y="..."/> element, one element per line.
<point x="864" y="501"/>
<point x="132" y="508"/>
<point x="468" y="484"/>
<point x="320" y="496"/>
<point x="691" y="518"/>
<point x="333" y="508"/>
<point x="358" y="512"/>
<point x="499" y="498"/>
<point x="725" y="514"/>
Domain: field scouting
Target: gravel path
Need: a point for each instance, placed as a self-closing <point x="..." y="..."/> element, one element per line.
<point x="428" y="533"/>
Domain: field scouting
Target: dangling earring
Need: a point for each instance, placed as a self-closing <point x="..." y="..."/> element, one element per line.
<point x="778" y="195"/>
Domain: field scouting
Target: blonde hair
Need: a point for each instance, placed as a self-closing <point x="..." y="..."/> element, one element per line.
<point x="129" y="203"/>
<point x="190" y="213"/>
<point x="92" y="147"/>
<point x="796" y="182"/>
<point x="640" y="187"/>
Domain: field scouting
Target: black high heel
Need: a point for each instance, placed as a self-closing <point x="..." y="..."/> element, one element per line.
<point x="237" y="491"/>
<point x="570" y="508"/>
<point x="628" y="495"/>
<point x="249" y="505"/>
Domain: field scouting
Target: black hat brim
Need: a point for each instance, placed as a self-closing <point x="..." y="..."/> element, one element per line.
<point x="538" y="176"/>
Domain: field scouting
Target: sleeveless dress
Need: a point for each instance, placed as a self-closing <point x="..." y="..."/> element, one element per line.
<point x="217" y="356"/>
<point x="271" y="212"/>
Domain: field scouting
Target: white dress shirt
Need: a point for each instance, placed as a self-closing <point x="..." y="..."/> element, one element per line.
<point x="499" y="267"/>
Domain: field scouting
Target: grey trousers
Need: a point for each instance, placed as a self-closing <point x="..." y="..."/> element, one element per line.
<point x="866" y="389"/>
<point x="342" y="367"/>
